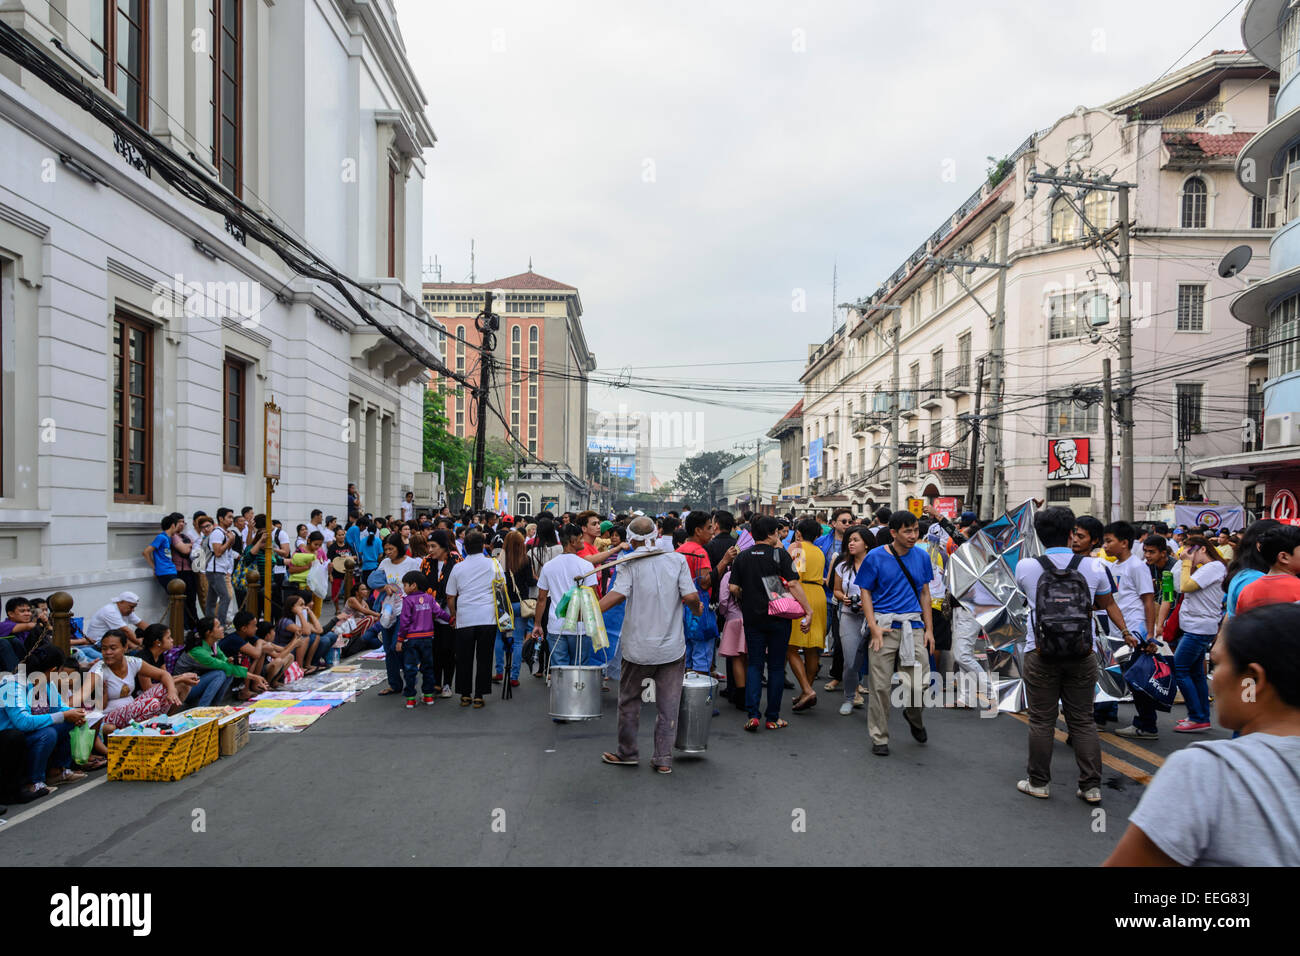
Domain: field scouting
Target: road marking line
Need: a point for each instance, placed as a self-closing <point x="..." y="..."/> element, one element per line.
<point x="49" y="803"/>
<point x="1115" y="763"/>
<point x="1154" y="759"/>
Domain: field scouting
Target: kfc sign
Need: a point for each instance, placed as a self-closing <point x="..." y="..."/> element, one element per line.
<point x="938" y="461"/>
<point x="1067" y="458"/>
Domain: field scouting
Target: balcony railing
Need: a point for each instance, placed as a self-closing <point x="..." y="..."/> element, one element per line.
<point x="832" y="439"/>
<point x="1255" y="413"/>
<point x="932" y="391"/>
<point x="958" y="379"/>
<point x="1193" y="117"/>
<point x="907" y="400"/>
<point x="1257" y="340"/>
<point x="866" y="421"/>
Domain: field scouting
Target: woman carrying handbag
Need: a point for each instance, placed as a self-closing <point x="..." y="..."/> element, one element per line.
<point x="519" y="584"/>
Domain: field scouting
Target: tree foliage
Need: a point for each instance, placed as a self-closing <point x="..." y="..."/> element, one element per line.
<point x="441" y="447"/>
<point x="691" y="483"/>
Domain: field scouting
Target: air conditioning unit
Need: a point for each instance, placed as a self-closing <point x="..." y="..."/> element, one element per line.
<point x="1282" y="430"/>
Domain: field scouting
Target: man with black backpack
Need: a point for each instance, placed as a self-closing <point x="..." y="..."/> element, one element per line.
<point x="1062" y="588"/>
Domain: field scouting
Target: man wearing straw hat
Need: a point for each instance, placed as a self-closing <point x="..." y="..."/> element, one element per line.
<point x="655" y="584"/>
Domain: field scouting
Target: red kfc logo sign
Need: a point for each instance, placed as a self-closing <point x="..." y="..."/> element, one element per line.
<point x="1067" y="458"/>
<point x="938" y="461"/>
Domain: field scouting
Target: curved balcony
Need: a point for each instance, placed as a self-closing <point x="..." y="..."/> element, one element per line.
<point x="1252" y="305"/>
<point x="1263" y="157"/>
<point x="1261" y="29"/>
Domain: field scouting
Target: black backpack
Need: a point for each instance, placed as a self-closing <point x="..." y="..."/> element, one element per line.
<point x="1063" y="610"/>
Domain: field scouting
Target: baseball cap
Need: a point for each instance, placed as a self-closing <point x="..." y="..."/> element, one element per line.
<point x="127" y="597"/>
<point x="605" y="526"/>
<point x="967" y="517"/>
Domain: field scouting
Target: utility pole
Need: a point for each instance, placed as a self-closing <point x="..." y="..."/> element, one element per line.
<point x="1125" y="364"/>
<point x="895" y="396"/>
<point x="975" y="438"/>
<point x="487" y="323"/>
<point x="1107" y="492"/>
<point x="994" y="495"/>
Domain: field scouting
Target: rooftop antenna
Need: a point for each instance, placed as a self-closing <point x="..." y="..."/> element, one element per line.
<point x="530" y="263"/>
<point x="471" y="261"/>
<point x="835" y="292"/>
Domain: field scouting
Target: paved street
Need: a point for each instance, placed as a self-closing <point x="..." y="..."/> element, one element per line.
<point x="373" y="784"/>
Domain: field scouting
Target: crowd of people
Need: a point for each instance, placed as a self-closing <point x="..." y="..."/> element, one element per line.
<point x="761" y="603"/>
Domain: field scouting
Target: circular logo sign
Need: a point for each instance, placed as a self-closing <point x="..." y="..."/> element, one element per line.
<point x="1209" y="518"/>
<point x="1284" y="505"/>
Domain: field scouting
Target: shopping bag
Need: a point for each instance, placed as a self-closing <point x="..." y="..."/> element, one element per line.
<point x="1153" y="675"/>
<point x="82" y="739"/>
<point x="780" y="602"/>
<point x="318" y="579"/>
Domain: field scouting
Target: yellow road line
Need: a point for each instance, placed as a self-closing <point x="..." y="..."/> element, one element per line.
<point x="1154" y="759"/>
<point x="1115" y="763"/>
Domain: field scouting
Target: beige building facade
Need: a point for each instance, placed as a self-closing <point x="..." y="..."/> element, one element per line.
<point x="1177" y="142"/>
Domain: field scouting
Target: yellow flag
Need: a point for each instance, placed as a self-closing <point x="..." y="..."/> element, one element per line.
<point x="496" y="496"/>
<point x="469" y="484"/>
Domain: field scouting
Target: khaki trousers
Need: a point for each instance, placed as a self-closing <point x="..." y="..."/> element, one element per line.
<point x="883" y="664"/>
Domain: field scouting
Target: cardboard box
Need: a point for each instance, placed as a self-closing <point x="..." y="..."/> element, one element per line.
<point x="232" y="726"/>
<point x="232" y="732"/>
<point x="161" y="758"/>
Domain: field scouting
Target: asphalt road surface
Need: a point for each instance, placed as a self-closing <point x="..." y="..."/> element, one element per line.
<point x="374" y="784"/>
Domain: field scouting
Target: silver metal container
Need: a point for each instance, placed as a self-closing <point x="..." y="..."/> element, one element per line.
<point x="695" y="713"/>
<point x="575" y="692"/>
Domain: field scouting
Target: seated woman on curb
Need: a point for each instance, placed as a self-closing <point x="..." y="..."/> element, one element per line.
<point x="216" y="672"/>
<point x="114" y="681"/>
<point x="301" y="630"/>
<point x="49" y="748"/>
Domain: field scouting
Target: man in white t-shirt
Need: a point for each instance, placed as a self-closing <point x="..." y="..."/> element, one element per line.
<point x="652" y="641"/>
<point x="1064" y="683"/>
<point x="120" y="614"/>
<point x="317" y="523"/>
<point x="408" y="506"/>
<point x="220" y="563"/>
<point x="557" y="577"/>
<point x="1135" y="597"/>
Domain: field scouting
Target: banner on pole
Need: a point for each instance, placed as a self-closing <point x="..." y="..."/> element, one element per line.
<point x="1215" y="518"/>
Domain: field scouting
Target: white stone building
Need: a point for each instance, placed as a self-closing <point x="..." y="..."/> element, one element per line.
<point x="141" y="333"/>
<point x="1177" y="140"/>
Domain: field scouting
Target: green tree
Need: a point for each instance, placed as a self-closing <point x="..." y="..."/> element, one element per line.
<point x="694" y="475"/>
<point x="441" y="447"/>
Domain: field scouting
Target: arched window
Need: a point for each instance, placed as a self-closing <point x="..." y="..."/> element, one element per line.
<point x="1065" y="224"/>
<point x="1096" y="208"/>
<point x="523" y="504"/>
<point x="514" y="334"/>
<point x="1195" y="201"/>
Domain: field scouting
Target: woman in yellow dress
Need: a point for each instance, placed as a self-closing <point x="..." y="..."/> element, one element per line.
<point x="804" y="653"/>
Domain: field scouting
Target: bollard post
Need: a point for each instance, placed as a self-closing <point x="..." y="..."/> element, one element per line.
<point x="253" y="595"/>
<point x="176" y="609"/>
<point x="61" y="619"/>
<point x="349" y="564"/>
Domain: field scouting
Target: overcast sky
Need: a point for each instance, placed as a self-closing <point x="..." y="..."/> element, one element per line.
<point x="690" y="165"/>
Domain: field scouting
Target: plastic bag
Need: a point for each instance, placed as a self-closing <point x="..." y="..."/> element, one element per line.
<point x="592" y="619"/>
<point x="562" y="608"/>
<point x="388" y="616"/>
<point x="82" y="739"/>
<point x="318" y="579"/>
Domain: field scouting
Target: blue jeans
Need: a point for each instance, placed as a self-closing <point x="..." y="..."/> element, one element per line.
<point x="323" y="647"/>
<point x="1189" y="672"/>
<point x="564" y="649"/>
<point x="767" y="640"/>
<point x="522" y="628"/>
<point x="699" y="654"/>
<point x="392" y="660"/>
<point x="86" y="653"/>
<point x="212" y="687"/>
<point x="417" y="657"/>
<point x="48" y="748"/>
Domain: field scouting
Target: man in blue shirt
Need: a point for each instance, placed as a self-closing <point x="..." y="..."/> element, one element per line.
<point x="895" y="583"/>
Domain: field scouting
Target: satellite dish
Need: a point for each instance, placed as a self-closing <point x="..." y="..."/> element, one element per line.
<point x="1234" y="261"/>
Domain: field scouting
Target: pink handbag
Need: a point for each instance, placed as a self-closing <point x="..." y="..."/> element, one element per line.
<point x="786" y="607"/>
<point x="780" y="602"/>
